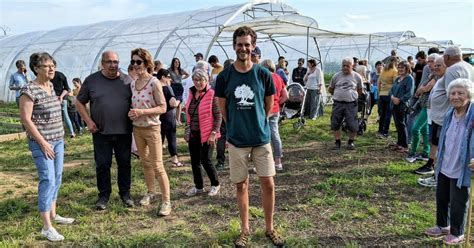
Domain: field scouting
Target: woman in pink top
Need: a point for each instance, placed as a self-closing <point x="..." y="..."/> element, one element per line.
<point x="148" y="102"/>
<point x="280" y="97"/>
<point x="204" y="120"/>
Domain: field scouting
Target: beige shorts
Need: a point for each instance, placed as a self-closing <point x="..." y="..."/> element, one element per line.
<point x="261" y="156"/>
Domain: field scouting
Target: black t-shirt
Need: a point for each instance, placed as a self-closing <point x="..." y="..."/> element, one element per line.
<point x="418" y="72"/>
<point x="168" y="119"/>
<point x="60" y="83"/>
<point x="110" y="101"/>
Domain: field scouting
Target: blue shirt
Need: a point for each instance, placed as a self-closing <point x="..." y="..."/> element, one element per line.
<point x="282" y="74"/>
<point x="17" y="80"/>
<point x="247" y="124"/>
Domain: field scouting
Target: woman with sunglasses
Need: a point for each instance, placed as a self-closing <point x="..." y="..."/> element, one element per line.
<point x="177" y="76"/>
<point x="40" y="113"/>
<point x="148" y="102"/>
<point x="400" y="93"/>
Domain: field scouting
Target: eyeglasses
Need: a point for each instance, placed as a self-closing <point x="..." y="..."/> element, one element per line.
<point x="110" y="62"/>
<point x="138" y="62"/>
<point x="198" y="80"/>
<point x="51" y="66"/>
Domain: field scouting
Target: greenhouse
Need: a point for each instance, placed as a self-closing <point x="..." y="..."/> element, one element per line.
<point x="281" y="31"/>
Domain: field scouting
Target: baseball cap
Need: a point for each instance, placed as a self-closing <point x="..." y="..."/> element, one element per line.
<point x="257" y="51"/>
<point x="199" y="55"/>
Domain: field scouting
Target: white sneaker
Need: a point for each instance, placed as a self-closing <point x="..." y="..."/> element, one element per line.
<point x="147" y="199"/>
<point x="165" y="209"/>
<point x="193" y="191"/>
<point x="427" y="182"/>
<point x="279" y="167"/>
<point x="214" y="190"/>
<point x="52" y="235"/>
<point x="63" y="220"/>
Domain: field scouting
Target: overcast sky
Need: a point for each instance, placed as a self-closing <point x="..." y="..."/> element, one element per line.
<point x="433" y="20"/>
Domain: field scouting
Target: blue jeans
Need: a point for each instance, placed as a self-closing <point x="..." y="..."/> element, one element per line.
<point x="49" y="173"/>
<point x="66" y="118"/>
<point x="275" y="135"/>
<point x="104" y="147"/>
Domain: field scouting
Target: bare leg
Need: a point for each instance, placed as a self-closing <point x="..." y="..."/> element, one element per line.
<point x="243" y="203"/>
<point x="46" y="218"/>
<point x="268" y="201"/>
<point x="337" y="134"/>
<point x="53" y="210"/>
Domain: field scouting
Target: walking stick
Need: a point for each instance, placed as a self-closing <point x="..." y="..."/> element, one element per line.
<point x="467" y="244"/>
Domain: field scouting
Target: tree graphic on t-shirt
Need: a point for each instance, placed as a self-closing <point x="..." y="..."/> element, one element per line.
<point x="244" y="92"/>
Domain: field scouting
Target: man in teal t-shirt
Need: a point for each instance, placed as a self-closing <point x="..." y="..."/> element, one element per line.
<point x="245" y="94"/>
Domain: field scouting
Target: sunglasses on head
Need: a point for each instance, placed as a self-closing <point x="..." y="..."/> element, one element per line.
<point x="138" y="62"/>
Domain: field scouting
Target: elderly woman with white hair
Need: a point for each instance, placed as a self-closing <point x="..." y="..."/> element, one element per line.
<point x="203" y="120"/>
<point x="452" y="168"/>
<point x="280" y="97"/>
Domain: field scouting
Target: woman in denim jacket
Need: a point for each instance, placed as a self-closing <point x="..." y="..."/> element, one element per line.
<point x="452" y="168"/>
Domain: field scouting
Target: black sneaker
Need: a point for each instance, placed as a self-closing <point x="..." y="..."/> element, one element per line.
<point x="424" y="170"/>
<point x="351" y="145"/>
<point x="127" y="201"/>
<point x="101" y="204"/>
<point x="337" y="145"/>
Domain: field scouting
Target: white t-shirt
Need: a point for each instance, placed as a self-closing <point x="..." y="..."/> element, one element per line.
<point x="315" y="80"/>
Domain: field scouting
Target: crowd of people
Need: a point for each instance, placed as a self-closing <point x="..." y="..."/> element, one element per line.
<point x="237" y="106"/>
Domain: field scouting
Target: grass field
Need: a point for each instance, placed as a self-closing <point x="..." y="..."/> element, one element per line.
<point x="366" y="197"/>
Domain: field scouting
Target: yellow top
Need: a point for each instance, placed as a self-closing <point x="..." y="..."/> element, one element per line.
<point x="386" y="81"/>
<point x="217" y="69"/>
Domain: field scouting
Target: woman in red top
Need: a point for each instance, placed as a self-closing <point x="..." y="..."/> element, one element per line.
<point x="280" y="97"/>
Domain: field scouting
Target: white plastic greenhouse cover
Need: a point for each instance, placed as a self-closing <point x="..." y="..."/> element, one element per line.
<point x="77" y="49"/>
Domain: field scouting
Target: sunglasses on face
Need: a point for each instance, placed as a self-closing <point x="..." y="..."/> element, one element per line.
<point x="138" y="62"/>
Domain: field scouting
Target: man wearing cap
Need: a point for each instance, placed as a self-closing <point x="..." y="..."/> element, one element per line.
<point x="256" y="55"/>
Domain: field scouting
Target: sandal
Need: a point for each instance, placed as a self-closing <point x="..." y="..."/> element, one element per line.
<point x="177" y="164"/>
<point x="276" y="239"/>
<point x="241" y="242"/>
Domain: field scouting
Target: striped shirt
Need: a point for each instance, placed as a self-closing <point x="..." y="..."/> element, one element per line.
<point x="46" y="116"/>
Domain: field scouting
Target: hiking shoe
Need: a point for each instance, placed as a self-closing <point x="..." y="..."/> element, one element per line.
<point x="214" y="190"/>
<point x="427" y="182"/>
<point x="52" y="235"/>
<point x="279" y="167"/>
<point x="411" y="158"/>
<point x="101" y="204"/>
<point x="351" y="145"/>
<point x="193" y="191"/>
<point x="242" y="241"/>
<point x="424" y="170"/>
<point x="165" y="209"/>
<point x="453" y="240"/>
<point x="62" y="220"/>
<point x="147" y="199"/>
<point x="127" y="201"/>
<point x="422" y="157"/>
<point x="437" y="231"/>
<point x="276" y="239"/>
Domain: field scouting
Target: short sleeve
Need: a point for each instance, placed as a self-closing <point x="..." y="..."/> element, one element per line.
<point x="359" y="81"/>
<point x="332" y="83"/>
<point x="83" y="95"/>
<point x="220" y="85"/>
<point x="26" y="90"/>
